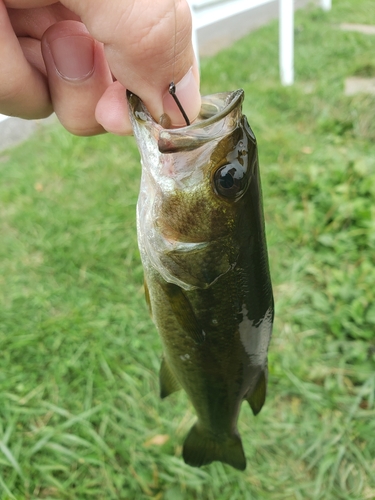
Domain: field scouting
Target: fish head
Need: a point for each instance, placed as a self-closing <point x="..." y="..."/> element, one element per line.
<point x="195" y="183"/>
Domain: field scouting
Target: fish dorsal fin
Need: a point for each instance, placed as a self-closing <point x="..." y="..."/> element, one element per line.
<point x="168" y="382"/>
<point x="202" y="448"/>
<point x="258" y="396"/>
<point x="184" y="312"/>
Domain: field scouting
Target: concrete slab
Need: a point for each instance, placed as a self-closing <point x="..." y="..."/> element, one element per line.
<point x="366" y="29"/>
<point x="357" y="85"/>
<point x="15" y="130"/>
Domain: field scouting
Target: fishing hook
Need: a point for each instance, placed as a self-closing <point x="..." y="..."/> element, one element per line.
<point x="172" y="91"/>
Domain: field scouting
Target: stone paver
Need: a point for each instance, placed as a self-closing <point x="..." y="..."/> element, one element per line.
<point x="358" y="85"/>
<point x="355" y="84"/>
<point x="366" y="29"/>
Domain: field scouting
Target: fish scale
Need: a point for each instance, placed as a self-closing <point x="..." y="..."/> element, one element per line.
<point x="202" y="242"/>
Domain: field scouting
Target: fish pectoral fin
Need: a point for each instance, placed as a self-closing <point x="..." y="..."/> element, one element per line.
<point x="184" y="313"/>
<point x="258" y="396"/>
<point x="202" y="448"/>
<point x="168" y="382"/>
<point x="147" y="297"/>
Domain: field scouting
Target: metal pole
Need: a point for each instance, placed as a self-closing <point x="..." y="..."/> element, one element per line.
<point x="326" y="4"/>
<point x="286" y="41"/>
<point x="194" y="33"/>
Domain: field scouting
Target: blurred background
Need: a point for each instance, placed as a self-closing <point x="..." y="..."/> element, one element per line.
<point x="80" y="415"/>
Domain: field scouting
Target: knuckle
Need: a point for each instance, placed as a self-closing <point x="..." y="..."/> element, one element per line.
<point x="18" y="98"/>
<point x="11" y="90"/>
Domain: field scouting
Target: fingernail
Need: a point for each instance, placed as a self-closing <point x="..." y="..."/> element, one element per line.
<point x="73" y="56"/>
<point x="187" y="91"/>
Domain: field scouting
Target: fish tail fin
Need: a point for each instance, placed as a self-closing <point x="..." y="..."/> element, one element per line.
<point x="201" y="448"/>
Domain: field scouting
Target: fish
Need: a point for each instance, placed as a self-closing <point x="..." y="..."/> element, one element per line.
<point x="201" y="237"/>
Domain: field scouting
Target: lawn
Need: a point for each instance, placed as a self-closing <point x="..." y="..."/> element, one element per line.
<point x="80" y="415"/>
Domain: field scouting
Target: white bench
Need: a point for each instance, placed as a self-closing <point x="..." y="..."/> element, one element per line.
<point x="208" y="12"/>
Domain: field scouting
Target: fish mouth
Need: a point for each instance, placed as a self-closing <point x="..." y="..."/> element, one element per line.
<point x="218" y="116"/>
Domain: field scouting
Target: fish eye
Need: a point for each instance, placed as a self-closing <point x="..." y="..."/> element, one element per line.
<point x="230" y="180"/>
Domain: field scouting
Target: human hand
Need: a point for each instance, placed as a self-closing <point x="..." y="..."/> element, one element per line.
<point x="76" y="57"/>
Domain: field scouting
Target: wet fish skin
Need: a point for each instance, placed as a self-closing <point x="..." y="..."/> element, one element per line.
<point x="203" y="248"/>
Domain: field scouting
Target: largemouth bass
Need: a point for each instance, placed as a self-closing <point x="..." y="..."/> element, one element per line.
<point x="207" y="283"/>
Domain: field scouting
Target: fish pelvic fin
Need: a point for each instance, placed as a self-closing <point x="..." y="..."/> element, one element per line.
<point x="168" y="382"/>
<point x="202" y="448"/>
<point x="258" y="396"/>
<point x="147" y="297"/>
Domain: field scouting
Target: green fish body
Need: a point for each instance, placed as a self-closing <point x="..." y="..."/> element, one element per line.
<point x="202" y="242"/>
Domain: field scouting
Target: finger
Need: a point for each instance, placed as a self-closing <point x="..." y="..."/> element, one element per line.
<point x="23" y="89"/>
<point x="78" y="75"/>
<point x="32" y="51"/>
<point x="112" y="110"/>
<point x="147" y="44"/>
<point x="25" y="4"/>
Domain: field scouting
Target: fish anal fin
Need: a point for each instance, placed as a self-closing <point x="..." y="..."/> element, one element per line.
<point x="168" y="382"/>
<point x="202" y="448"/>
<point x="258" y="396"/>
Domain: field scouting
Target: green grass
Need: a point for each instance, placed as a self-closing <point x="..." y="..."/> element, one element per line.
<point x="80" y="416"/>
